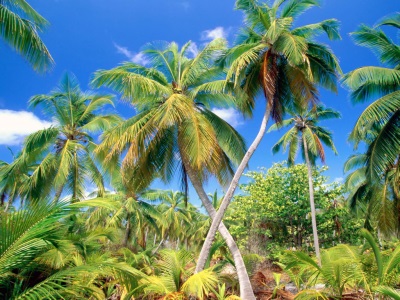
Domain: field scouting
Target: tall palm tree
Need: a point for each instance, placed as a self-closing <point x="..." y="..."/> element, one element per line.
<point x="175" y="128"/>
<point x="309" y="136"/>
<point x="62" y="154"/>
<point x="378" y="125"/>
<point x="284" y="63"/>
<point x="19" y="27"/>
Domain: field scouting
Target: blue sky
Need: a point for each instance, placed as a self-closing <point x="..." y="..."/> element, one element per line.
<point x="87" y="35"/>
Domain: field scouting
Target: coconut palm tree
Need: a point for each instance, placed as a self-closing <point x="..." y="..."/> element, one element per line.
<point x="378" y="125"/>
<point x="127" y="209"/>
<point x="175" y="216"/>
<point x="19" y="27"/>
<point x="175" y="128"/>
<point x="62" y="154"/>
<point x="282" y="62"/>
<point x="376" y="202"/>
<point x="309" y="136"/>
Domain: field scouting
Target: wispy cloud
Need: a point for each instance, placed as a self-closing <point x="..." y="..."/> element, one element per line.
<point x="212" y="34"/>
<point x="339" y="180"/>
<point x="16" y="125"/>
<point x="230" y="115"/>
<point x="193" y="49"/>
<point x="137" y="58"/>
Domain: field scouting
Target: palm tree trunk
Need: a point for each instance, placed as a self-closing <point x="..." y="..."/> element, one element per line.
<point x="8" y="204"/>
<point x="205" y="250"/>
<point x="246" y="290"/>
<point x="311" y="191"/>
<point x="127" y="231"/>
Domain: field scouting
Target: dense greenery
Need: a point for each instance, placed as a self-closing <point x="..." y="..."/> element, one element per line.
<point x="274" y="212"/>
<point x="79" y="219"/>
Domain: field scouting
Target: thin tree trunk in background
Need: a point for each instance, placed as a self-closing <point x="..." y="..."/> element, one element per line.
<point x="8" y="204"/>
<point x="205" y="250"/>
<point x="2" y="198"/>
<point x="313" y="215"/>
<point x="127" y="231"/>
<point x="158" y="247"/>
<point x="246" y="290"/>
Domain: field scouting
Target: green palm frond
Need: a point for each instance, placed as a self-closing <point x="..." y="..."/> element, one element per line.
<point x="133" y="82"/>
<point x="385" y="149"/>
<point x="388" y="292"/>
<point x="330" y="27"/>
<point x="200" y="284"/>
<point x="379" y="112"/>
<point x="21" y="33"/>
<point x="295" y="8"/>
<point x="367" y="82"/>
<point x="24" y="234"/>
<point x="392" y="20"/>
<point x="379" y="43"/>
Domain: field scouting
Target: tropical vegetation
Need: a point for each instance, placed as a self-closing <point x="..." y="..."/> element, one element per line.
<point x="82" y="212"/>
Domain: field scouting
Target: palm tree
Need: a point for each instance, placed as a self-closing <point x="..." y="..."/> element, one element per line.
<point x="175" y="128"/>
<point x="309" y="136"/>
<point x="282" y="62"/>
<point x="62" y="153"/>
<point x="128" y="209"/>
<point x="376" y="202"/>
<point x="378" y="125"/>
<point x="173" y="209"/>
<point x="19" y="26"/>
<point x="381" y="118"/>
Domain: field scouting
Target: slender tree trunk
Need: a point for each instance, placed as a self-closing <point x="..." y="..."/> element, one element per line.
<point x="205" y="250"/>
<point x="311" y="190"/>
<point x="158" y="247"/>
<point x="127" y="231"/>
<point x="8" y="204"/>
<point x="246" y="290"/>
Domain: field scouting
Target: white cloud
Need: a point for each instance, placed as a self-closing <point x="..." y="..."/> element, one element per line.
<point x="339" y="180"/>
<point x="193" y="50"/>
<point x="15" y="125"/>
<point x="230" y="115"/>
<point x="137" y="58"/>
<point x="216" y="33"/>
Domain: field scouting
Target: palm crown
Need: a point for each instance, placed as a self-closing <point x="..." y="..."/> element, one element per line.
<point x="61" y="156"/>
<point x="283" y="62"/>
<point x="173" y="97"/>
<point x="305" y="124"/>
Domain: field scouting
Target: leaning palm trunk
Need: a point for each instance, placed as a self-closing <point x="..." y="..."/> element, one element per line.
<point x="229" y="194"/>
<point x="246" y="290"/>
<point x="311" y="191"/>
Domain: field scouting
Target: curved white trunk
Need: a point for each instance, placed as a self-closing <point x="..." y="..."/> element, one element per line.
<point x="246" y="290"/>
<point x="229" y="194"/>
<point x="313" y="215"/>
